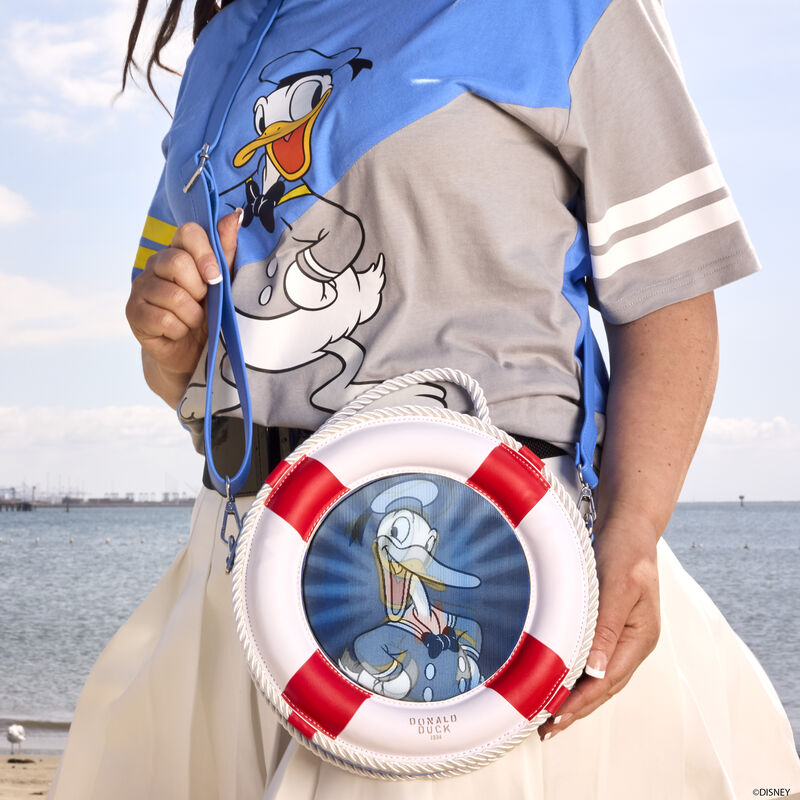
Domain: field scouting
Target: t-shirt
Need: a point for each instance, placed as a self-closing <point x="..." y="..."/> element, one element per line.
<point x="445" y="183"/>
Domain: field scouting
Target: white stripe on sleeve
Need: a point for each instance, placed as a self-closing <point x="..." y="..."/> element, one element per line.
<point x="653" y="204"/>
<point x="671" y="234"/>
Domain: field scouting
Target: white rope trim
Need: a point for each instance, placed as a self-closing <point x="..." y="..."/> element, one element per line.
<point x="348" y="418"/>
<point x="454" y="376"/>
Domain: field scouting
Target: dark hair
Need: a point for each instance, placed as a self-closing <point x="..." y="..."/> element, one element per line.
<point x="204" y="10"/>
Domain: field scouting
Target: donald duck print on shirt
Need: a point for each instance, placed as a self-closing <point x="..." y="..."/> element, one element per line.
<point x="307" y="298"/>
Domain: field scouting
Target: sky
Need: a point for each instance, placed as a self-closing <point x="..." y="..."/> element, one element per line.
<point x="79" y="168"/>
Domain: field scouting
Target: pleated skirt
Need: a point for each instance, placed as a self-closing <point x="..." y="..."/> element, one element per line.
<point x="169" y="712"/>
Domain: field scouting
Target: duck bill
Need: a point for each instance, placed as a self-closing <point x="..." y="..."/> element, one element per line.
<point x="437" y="575"/>
<point x="288" y="143"/>
<point x="394" y="582"/>
<point x="398" y="566"/>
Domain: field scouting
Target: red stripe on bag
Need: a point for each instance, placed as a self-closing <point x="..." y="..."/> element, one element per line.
<point x="275" y="476"/>
<point x="558" y="698"/>
<point x="298" y="723"/>
<point x="322" y="697"/>
<point x="532" y="457"/>
<point x="305" y="495"/>
<point x="510" y="482"/>
<point x="529" y="678"/>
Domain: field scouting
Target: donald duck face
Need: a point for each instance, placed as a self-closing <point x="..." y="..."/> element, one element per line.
<point x="405" y="548"/>
<point x="284" y="117"/>
<point x="283" y="121"/>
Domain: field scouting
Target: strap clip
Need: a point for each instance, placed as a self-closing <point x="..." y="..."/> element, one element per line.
<point x="231" y="541"/>
<point x="586" y="498"/>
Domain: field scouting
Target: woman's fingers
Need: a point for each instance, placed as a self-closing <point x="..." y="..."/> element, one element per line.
<point x="617" y="600"/>
<point x="192" y="238"/>
<point x="153" y="322"/>
<point x="592" y="690"/>
<point x="166" y="309"/>
<point x="166" y="300"/>
<point x="636" y="641"/>
<point x="163" y="305"/>
<point x="175" y="266"/>
<point x="628" y="623"/>
<point x="228" y="229"/>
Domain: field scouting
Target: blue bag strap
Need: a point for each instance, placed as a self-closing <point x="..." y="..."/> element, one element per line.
<point x="222" y="321"/>
<point x="594" y="380"/>
<point x="591" y="394"/>
<point x="221" y="310"/>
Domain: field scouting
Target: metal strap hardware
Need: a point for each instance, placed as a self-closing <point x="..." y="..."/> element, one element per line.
<point x="586" y="504"/>
<point x="231" y="541"/>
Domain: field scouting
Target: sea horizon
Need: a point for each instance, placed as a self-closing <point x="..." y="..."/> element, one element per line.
<point x="77" y="577"/>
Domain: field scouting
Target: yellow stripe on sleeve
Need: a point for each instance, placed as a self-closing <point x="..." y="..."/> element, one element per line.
<point x="142" y="254"/>
<point x="157" y="231"/>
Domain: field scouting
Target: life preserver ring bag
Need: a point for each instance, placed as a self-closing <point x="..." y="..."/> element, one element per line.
<point x="415" y="592"/>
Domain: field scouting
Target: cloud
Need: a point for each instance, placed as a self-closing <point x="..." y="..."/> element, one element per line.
<point x="745" y="431"/>
<point x="50" y="426"/>
<point x="37" y="313"/>
<point x="745" y="456"/>
<point x="96" y="450"/>
<point x="68" y="68"/>
<point x="47" y="123"/>
<point x="14" y="208"/>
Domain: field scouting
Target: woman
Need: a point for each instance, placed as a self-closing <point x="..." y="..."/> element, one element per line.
<point x="443" y="186"/>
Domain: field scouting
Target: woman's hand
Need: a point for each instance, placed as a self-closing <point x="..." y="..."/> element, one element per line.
<point x="663" y="371"/>
<point x="166" y="308"/>
<point x="628" y="620"/>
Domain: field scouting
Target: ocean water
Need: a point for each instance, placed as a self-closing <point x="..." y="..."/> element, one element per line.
<point x="66" y="590"/>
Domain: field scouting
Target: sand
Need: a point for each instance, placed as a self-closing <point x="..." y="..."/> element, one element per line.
<point x="26" y="780"/>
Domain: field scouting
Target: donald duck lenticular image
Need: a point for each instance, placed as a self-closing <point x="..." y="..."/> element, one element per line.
<point x="421" y="652"/>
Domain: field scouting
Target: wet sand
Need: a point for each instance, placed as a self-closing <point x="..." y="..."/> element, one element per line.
<point x="26" y="780"/>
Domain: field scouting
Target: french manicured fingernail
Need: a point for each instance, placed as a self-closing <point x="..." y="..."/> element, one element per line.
<point x="239" y="216"/>
<point x="562" y="718"/>
<point x="596" y="665"/>
<point x="210" y="270"/>
<point x="547" y="736"/>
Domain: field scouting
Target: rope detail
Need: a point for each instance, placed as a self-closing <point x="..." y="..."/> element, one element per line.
<point x="432" y="375"/>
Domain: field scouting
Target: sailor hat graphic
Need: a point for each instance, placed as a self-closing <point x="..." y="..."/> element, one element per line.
<point x="290" y="66"/>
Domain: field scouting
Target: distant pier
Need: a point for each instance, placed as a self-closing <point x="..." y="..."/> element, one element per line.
<point x="25" y="498"/>
<point x="15" y="504"/>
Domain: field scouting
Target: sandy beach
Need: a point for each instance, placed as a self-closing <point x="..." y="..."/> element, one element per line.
<point x="31" y="778"/>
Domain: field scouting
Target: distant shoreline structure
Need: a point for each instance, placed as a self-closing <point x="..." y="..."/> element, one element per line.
<point x="94" y="502"/>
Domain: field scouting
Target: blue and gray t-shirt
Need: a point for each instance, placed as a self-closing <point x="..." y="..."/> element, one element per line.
<point x="429" y="184"/>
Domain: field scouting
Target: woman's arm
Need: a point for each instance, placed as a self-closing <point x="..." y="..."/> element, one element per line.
<point x="166" y="309"/>
<point x="663" y="373"/>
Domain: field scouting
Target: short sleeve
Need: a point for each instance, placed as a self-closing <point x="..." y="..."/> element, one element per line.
<point x="159" y="226"/>
<point x="661" y="222"/>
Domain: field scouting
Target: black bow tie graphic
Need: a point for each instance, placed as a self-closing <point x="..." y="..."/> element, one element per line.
<point x="262" y="205"/>
<point x="437" y="643"/>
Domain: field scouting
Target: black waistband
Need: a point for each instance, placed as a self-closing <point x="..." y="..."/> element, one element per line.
<point x="271" y="445"/>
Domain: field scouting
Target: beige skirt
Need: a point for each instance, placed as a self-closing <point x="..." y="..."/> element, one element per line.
<point x="169" y="712"/>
